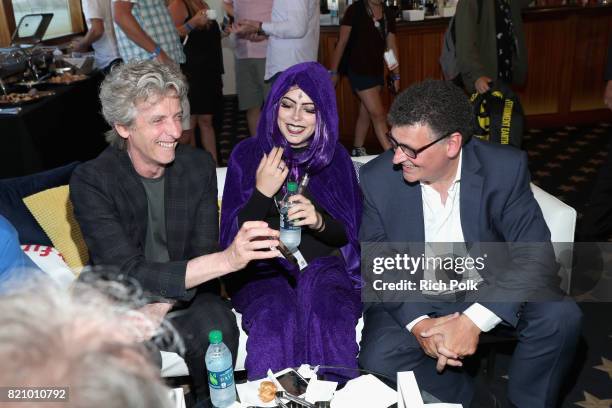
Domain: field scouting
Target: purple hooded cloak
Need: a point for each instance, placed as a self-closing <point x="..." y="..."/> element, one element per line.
<point x="314" y="320"/>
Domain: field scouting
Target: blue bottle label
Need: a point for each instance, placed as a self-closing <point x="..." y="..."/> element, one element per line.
<point x="221" y="379"/>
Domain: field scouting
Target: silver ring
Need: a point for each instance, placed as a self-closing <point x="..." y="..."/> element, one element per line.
<point x="281" y="168"/>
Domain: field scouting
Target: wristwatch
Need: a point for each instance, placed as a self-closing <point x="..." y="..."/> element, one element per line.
<point x="155" y="53"/>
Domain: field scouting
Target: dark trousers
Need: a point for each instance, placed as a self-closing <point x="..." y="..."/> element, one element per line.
<point x="206" y="312"/>
<point x="547" y="337"/>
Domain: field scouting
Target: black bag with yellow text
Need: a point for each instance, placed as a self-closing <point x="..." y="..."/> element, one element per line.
<point x="498" y="116"/>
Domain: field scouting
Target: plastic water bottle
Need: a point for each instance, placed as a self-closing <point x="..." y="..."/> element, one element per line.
<point x="290" y="234"/>
<point x="220" y="371"/>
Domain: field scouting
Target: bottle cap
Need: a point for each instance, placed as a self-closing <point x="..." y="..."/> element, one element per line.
<point x="292" y="186"/>
<point x="215" y="336"/>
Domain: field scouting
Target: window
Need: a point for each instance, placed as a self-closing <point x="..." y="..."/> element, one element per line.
<point x="60" y="24"/>
<point x="66" y="20"/>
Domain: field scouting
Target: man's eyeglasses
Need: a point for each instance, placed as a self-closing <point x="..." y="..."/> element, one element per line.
<point x="409" y="151"/>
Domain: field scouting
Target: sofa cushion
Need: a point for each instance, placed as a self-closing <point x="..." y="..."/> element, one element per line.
<point x="53" y="210"/>
<point x="13" y="190"/>
<point x="50" y="261"/>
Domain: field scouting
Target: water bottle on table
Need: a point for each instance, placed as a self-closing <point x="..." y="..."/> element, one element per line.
<point x="290" y="235"/>
<point x="220" y="371"/>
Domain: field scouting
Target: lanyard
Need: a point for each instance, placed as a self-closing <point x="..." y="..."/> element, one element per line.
<point x="382" y="31"/>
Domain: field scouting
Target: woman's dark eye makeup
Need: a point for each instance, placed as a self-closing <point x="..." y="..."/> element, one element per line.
<point x="308" y="108"/>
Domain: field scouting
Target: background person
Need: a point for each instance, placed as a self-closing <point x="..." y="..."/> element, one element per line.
<point x="203" y="68"/>
<point x="293" y="34"/>
<point x="100" y="34"/>
<point x="145" y="31"/>
<point x="250" y="59"/>
<point x="596" y="222"/>
<point x="370" y="26"/>
<point x="493" y="47"/>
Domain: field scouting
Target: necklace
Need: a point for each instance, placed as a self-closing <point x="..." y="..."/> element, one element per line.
<point x="376" y="22"/>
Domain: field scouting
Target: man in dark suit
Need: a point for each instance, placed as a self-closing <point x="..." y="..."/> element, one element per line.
<point x="150" y="208"/>
<point x="437" y="185"/>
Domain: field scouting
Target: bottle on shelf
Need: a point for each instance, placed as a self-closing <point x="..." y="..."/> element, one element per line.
<point x="220" y="371"/>
<point x="333" y="11"/>
<point x="290" y="234"/>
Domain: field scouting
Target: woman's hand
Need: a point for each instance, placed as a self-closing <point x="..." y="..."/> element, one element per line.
<point x="271" y="173"/>
<point x="303" y="213"/>
<point x="199" y="20"/>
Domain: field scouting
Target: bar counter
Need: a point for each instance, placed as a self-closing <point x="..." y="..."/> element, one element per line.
<point x="567" y="48"/>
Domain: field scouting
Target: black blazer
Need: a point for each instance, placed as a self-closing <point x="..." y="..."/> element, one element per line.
<point x="497" y="205"/>
<point x="110" y="205"/>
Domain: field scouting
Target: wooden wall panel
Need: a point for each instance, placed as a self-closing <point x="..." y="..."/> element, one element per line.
<point x="592" y="34"/>
<point x="547" y="50"/>
<point x="7" y="22"/>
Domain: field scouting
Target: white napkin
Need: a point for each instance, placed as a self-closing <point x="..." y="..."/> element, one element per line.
<point x="365" y="391"/>
<point x="319" y="390"/>
<point x="409" y="395"/>
<point x="249" y="394"/>
<point x="177" y="397"/>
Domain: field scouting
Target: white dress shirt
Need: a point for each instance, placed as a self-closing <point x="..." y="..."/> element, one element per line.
<point x="442" y="223"/>
<point x="293" y="34"/>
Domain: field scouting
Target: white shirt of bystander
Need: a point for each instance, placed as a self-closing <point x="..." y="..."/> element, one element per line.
<point x="293" y="34"/>
<point x="106" y="47"/>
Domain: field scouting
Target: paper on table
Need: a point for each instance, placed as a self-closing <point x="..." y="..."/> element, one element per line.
<point x="319" y="390"/>
<point x="249" y="394"/>
<point x="408" y="393"/>
<point x="365" y="391"/>
<point x="308" y="372"/>
<point x="177" y="397"/>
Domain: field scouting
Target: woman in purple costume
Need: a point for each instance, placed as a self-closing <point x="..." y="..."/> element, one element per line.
<point x="295" y="316"/>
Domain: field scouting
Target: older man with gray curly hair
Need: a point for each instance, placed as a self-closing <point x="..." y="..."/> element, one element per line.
<point x="149" y="207"/>
<point x="79" y="349"/>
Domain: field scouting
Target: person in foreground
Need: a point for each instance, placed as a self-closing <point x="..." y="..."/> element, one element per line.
<point x="295" y="316"/>
<point x="440" y="185"/>
<point x="150" y="208"/>
<point x="80" y="342"/>
<point x="15" y="266"/>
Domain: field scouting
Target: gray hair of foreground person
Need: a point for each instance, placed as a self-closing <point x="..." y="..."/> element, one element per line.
<point x="80" y="340"/>
<point x="136" y="82"/>
<point x="441" y="105"/>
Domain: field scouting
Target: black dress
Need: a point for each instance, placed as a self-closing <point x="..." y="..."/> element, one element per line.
<point x="203" y="68"/>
